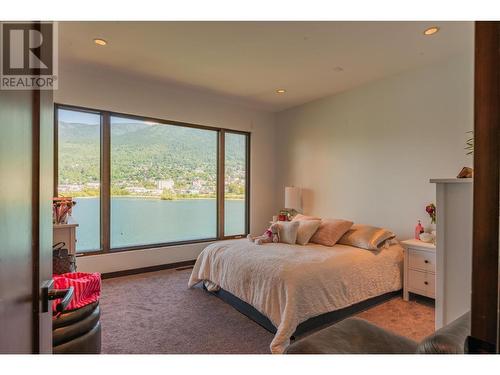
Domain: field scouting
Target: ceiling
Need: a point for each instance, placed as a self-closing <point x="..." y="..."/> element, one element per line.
<point x="250" y="60"/>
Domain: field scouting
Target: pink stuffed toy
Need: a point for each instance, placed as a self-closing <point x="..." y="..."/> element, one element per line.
<point x="270" y="235"/>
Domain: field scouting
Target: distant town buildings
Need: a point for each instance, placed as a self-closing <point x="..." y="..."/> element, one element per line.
<point x="137" y="190"/>
<point x="70" y="187"/>
<point x="198" y="186"/>
<point x="165" y="184"/>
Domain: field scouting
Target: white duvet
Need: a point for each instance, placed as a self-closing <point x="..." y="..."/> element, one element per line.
<point x="292" y="283"/>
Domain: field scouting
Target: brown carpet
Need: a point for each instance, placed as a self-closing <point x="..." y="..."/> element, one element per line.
<point x="156" y="313"/>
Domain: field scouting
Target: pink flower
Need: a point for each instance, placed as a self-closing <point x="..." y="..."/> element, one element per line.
<point x="431" y="210"/>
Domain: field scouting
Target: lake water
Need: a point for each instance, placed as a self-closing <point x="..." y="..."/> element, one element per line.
<point x="140" y="221"/>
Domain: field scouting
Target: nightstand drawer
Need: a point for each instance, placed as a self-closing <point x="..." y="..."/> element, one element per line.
<point x="422" y="260"/>
<point x="421" y="282"/>
<point x="431" y="287"/>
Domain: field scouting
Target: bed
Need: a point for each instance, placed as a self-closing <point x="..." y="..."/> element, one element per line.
<point x="292" y="284"/>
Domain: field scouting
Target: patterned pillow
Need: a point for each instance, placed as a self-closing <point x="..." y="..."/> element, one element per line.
<point x="330" y="231"/>
<point x="288" y="231"/>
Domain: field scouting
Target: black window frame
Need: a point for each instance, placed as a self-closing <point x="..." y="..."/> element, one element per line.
<point x="105" y="177"/>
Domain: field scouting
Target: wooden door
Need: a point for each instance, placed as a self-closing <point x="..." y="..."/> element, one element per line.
<point x="26" y="146"/>
<point x="485" y="291"/>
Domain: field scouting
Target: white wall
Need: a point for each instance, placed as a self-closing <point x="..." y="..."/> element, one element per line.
<point x="368" y="154"/>
<point x="121" y="92"/>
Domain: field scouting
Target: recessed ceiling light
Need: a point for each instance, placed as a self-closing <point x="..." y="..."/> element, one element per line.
<point x="100" y="42"/>
<point x="280" y="91"/>
<point x="431" y="30"/>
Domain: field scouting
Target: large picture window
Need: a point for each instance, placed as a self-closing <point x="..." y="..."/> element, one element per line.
<point x="163" y="183"/>
<point x="141" y="182"/>
<point x="235" y="179"/>
<point x="79" y="172"/>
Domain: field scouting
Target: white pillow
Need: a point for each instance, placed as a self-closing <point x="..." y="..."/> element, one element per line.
<point x="288" y="231"/>
<point x="306" y="230"/>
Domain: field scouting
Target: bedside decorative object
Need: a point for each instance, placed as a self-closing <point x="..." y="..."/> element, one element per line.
<point x="283" y="216"/>
<point x="431" y="210"/>
<point x="270" y="235"/>
<point x="419" y="269"/>
<point x="466" y="172"/>
<point x="418" y="229"/>
<point x="426" y="237"/>
<point x="469" y="143"/>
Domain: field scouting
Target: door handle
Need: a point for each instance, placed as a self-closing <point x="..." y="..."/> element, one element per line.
<point x="49" y="294"/>
<point x="65" y="294"/>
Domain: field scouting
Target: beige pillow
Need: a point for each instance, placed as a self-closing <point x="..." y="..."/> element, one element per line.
<point x="306" y="230"/>
<point x="288" y="231"/>
<point x="366" y="237"/>
<point x="330" y="231"/>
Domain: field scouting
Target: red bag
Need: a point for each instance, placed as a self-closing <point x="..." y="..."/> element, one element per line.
<point x="87" y="288"/>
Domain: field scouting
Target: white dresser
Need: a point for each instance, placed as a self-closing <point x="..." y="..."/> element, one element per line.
<point x="66" y="233"/>
<point x="419" y="269"/>
<point x="454" y="248"/>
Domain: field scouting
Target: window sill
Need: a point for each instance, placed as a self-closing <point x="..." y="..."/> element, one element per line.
<point x="157" y="246"/>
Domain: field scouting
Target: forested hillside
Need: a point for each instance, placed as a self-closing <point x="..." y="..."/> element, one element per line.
<point x="144" y="154"/>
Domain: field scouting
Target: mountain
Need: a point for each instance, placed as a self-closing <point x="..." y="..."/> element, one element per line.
<point x="142" y="154"/>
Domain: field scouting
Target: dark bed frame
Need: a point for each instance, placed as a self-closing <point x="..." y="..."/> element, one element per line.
<point x="310" y="324"/>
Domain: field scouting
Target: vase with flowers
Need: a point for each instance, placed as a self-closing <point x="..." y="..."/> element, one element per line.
<point x="431" y="210"/>
<point x="61" y="209"/>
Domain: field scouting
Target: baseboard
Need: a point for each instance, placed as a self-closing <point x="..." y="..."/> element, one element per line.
<point x="135" y="271"/>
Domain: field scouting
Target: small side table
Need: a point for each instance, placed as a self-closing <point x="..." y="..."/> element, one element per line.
<point x="66" y="233"/>
<point x="419" y="269"/>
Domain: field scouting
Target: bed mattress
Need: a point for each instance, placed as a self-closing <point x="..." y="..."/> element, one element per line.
<point x="291" y="283"/>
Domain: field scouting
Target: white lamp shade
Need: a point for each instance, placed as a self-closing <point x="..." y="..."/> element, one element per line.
<point x="292" y="198"/>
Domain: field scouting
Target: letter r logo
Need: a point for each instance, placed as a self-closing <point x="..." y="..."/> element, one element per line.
<point x="35" y="40"/>
<point x="27" y="49"/>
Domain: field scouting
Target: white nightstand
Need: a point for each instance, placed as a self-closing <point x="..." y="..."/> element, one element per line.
<point x="419" y="269"/>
